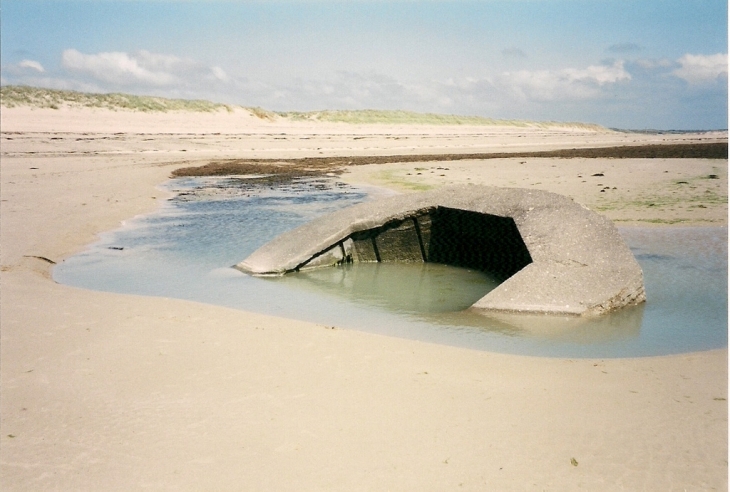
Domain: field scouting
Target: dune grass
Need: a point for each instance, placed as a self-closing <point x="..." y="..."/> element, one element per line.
<point x="34" y="97"/>
<point x="16" y="96"/>
<point x="399" y="117"/>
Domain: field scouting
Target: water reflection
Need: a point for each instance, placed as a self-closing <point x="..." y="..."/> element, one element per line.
<point x="442" y="295"/>
<point x="622" y="325"/>
<point x="407" y="288"/>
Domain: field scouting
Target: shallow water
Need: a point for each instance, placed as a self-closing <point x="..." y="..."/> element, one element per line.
<point x="185" y="251"/>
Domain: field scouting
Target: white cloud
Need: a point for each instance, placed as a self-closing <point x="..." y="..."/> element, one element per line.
<point x="569" y="83"/>
<point x="121" y="68"/>
<point x="160" y="62"/>
<point x="600" y="74"/>
<point x="700" y="69"/>
<point x="32" y="65"/>
<point x="501" y="94"/>
<point x="25" y="68"/>
<point x="347" y="90"/>
<point x="143" y="69"/>
<point x="219" y="74"/>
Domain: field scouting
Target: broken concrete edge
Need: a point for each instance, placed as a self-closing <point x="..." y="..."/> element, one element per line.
<point x="306" y="259"/>
<point x="580" y="265"/>
<point x="632" y="295"/>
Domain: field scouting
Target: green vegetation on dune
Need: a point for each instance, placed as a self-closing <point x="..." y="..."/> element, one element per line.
<point x="366" y="116"/>
<point x="24" y="96"/>
<point x="397" y="117"/>
<point x="14" y="96"/>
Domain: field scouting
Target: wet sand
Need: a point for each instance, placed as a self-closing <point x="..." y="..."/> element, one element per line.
<point x="107" y="391"/>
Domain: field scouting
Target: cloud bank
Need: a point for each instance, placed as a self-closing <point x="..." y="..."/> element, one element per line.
<point x="568" y="83"/>
<point x="566" y="93"/>
<point x="142" y="68"/>
<point x="702" y="69"/>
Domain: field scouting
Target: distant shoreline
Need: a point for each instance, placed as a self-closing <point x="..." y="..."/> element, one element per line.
<point x="666" y="132"/>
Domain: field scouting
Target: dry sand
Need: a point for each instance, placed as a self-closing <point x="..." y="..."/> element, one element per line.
<point x="113" y="392"/>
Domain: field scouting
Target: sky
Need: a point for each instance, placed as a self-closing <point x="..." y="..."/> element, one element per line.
<point x="648" y="64"/>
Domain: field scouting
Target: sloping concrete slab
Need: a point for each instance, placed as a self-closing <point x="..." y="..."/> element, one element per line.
<point x="568" y="259"/>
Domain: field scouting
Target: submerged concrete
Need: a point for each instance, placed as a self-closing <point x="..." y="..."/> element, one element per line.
<point x="553" y="255"/>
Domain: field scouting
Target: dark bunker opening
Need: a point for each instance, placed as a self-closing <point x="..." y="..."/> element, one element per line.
<point x="478" y="241"/>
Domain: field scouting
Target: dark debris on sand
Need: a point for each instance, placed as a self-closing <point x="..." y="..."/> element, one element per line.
<point x="283" y="170"/>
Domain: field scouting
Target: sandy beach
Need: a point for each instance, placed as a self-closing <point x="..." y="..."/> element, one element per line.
<point x="104" y="391"/>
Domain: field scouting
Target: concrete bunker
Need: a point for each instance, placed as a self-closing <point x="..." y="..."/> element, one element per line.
<point x="462" y="238"/>
<point x="552" y="255"/>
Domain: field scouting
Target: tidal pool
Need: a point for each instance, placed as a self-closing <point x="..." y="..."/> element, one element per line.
<point x="186" y="249"/>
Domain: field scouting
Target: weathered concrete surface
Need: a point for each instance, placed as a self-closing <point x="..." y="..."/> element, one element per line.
<point x="577" y="263"/>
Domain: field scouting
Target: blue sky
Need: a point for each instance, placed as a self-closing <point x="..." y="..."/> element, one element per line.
<point x="626" y="64"/>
